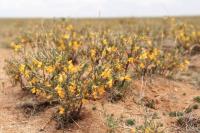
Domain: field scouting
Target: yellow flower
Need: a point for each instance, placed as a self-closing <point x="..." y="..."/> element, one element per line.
<point x="66" y="36"/>
<point x="95" y="95"/>
<point x="37" y="63"/>
<point x="62" y="47"/>
<point x="182" y="67"/>
<point x="131" y="59"/>
<point x="50" y="69"/>
<point x="22" y="68"/>
<point x="112" y="49"/>
<point x="71" y="67"/>
<point x="58" y="58"/>
<point x="158" y="62"/>
<point x="110" y="83"/>
<point x="74" y="34"/>
<point x="127" y="78"/>
<point x="60" y="91"/>
<point x="148" y="130"/>
<point x="186" y="62"/>
<point x="101" y="90"/>
<point x="16" y="77"/>
<point x="26" y="74"/>
<point x="106" y="73"/>
<point x="16" y="47"/>
<point x="75" y="46"/>
<point x="33" y="80"/>
<point x="141" y="65"/>
<point x="61" y="77"/>
<point x="105" y="42"/>
<point x="118" y="66"/>
<point x="61" y="110"/>
<point x="152" y="56"/>
<point x="93" y="53"/>
<point x="143" y="55"/>
<point x="70" y="43"/>
<point x="69" y="27"/>
<point x="156" y="51"/>
<point x="38" y="92"/>
<point x="104" y="53"/>
<point x="84" y="101"/>
<point x="33" y="90"/>
<point x="65" y="68"/>
<point x="72" y="87"/>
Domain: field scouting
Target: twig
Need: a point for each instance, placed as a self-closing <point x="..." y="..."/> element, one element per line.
<point x="76" y="123"/>
<point x="43" y="128"/>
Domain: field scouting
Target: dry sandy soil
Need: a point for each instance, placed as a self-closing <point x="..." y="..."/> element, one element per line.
<point x="168" y="96"/>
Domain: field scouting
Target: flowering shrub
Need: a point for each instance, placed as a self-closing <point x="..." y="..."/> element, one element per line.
<point x="72" y="66"/>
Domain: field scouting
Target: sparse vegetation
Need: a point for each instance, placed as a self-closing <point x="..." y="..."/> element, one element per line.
<point x="175" y="114"/>
<point x="130" y="122"/>
<point x="150" y="125"/>
<point x="189" y="123"/>
<point x="191" y="108"/>
<point x="70" y="67"/>
<point x="112" y="123"/>
<point x="195" y="106"/>
<point x="197" y="99"/>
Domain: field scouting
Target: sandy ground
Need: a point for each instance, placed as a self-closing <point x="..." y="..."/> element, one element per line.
<point x="12" y="119"/>
<point x="168" y="96"/>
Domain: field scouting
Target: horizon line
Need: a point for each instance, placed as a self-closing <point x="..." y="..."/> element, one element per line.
<point x="95" y="17"/>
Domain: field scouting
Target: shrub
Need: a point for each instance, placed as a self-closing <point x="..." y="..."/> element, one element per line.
<point x="71" y="66"/>
<point x="197" y="99"/>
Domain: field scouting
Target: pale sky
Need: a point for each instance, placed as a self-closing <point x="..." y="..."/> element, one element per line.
<point x="92" y="8"/>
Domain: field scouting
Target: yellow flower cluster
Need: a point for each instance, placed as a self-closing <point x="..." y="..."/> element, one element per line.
<point x="74" y="66"/>
<point x="16" y="47"/>
<point x="60" y="91"/>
